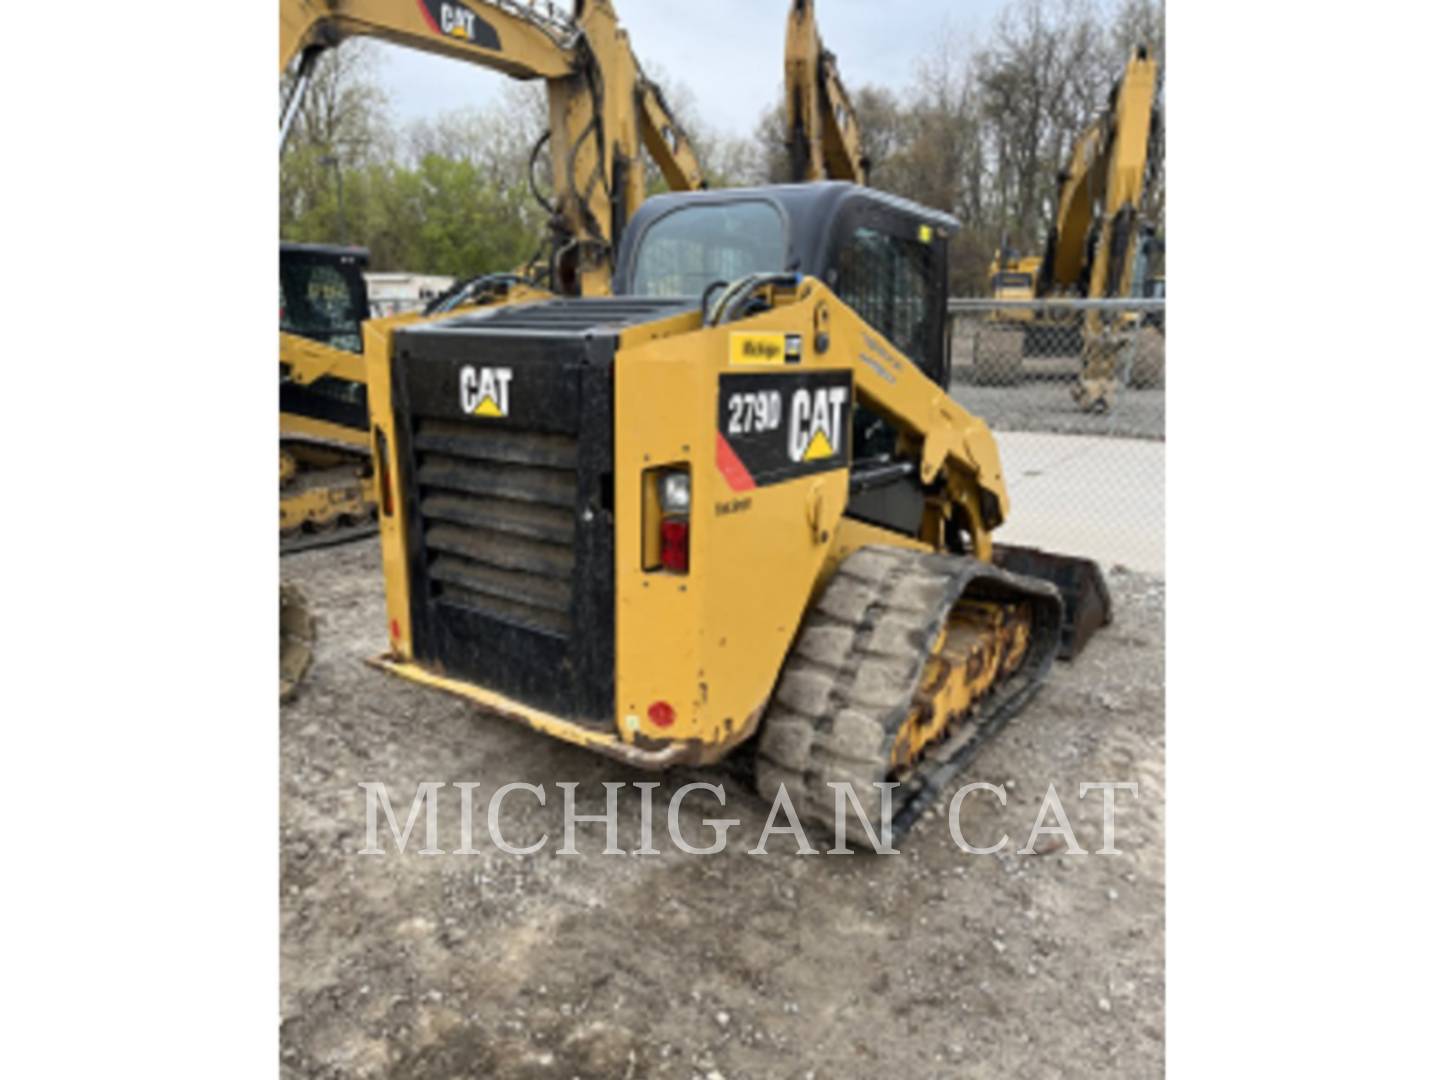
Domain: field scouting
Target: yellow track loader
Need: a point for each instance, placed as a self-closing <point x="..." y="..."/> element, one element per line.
<point x="730" y="506"/>
<point x="326" y="494"/>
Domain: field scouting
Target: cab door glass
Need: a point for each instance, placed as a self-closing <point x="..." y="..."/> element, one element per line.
<point x="886" y="279"/>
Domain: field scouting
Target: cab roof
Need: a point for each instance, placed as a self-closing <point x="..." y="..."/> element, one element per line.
<point x="809" y="211"/>
<point x="333" y="251"/>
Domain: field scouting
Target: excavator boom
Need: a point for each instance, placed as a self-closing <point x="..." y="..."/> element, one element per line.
<point x="823" y="134"/>
<point x="1101" y="188"/>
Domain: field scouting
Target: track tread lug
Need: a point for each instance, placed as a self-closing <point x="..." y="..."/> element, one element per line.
<point x="849" y="682"/>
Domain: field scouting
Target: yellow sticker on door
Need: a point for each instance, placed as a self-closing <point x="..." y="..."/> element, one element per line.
<point x="764" y="347"/>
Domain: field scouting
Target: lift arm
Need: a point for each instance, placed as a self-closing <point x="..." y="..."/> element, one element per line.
<point x="823" y="134"/>
<point x="601" y="105"/>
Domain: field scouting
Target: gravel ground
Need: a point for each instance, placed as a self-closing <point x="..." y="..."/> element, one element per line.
<point x="932" y="963"/>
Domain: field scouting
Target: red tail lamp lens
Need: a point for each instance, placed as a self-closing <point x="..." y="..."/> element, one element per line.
<point x="661" y="714"/>
<point x="382" y="455"/>
<point x="675" y="545"/>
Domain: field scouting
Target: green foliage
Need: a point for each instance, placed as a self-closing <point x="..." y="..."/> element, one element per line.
<point x="455" y="201"/>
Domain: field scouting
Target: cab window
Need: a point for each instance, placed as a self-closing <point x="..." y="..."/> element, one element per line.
<point x="688" y="249"/>
<point x="886" y="279"/>
<point x="318" y="301"/>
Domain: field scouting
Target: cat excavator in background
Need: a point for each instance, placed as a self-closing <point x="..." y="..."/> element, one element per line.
<point x="602" y="111"/>
<point x="1096" y="239"/>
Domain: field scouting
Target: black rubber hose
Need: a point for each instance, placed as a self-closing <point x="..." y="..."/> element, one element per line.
<point x="545" y="203"/>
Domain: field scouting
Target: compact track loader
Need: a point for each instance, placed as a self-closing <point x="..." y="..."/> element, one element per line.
<point x="326" y="491"/>
<point x="732" y="501"/>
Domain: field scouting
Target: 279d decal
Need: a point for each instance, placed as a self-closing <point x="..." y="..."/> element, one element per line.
<point x="773" y="428"/>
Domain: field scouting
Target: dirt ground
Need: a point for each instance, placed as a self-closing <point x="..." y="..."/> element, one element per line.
<point x="931" y="963"/>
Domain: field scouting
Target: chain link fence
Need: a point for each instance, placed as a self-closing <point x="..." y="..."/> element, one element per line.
<point x="1075" y="392"/>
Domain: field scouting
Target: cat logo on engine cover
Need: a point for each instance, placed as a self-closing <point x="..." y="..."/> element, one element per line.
<point x="485" y="391"/>
<point x="773" y="428"/>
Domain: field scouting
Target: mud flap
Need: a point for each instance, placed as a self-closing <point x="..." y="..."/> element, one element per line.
<point x="1081" y="584"/>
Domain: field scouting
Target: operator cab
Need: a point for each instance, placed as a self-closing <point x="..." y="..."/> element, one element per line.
<point x="884" y="256"/>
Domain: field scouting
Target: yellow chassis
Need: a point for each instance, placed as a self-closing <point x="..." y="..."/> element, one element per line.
<point x="677" y="638"/>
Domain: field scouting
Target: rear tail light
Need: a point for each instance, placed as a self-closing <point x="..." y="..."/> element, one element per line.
<point x="675" y="545"/>
<point x="382" y="457"/>
<point x="666" y="519"/>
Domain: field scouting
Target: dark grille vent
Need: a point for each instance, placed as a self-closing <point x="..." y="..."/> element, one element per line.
<point x="497" y="512"/>
<point x="510" y="536"/>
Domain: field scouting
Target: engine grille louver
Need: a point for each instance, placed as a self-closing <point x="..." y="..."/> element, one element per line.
<point x="497" y="513"/>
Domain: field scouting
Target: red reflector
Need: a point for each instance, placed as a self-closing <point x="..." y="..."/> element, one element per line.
<point x="661" y="714"/>
<point x="675" y="545"/>
<point x="395" y="630"/>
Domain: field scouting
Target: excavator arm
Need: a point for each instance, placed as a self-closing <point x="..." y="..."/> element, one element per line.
<point x="1128" y="167"/>
<point x="666" y="143"/>
<point x="602" y="108"/>
<point x="1092" y="239"/>
<point x="823" y="135"/>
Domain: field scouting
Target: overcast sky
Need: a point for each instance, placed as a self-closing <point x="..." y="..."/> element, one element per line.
<point x="729" y="53"/>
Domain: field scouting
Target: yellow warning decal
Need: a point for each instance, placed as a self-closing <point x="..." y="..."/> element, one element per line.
<point x="819" y="448"/>
<point x="756" y="347"/>
<point x="926" y="234"/>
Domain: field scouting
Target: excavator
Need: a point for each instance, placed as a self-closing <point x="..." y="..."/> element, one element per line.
<point x="602" y="110"/>
<point x="1095" y="240"/>
<point x="728" y="513"/>
<point x="327" y="486"/>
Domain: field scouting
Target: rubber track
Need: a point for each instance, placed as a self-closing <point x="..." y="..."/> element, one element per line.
<point x="853" y="674"/>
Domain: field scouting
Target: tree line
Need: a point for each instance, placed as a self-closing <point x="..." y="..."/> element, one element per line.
<point x="981" y="132"/>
